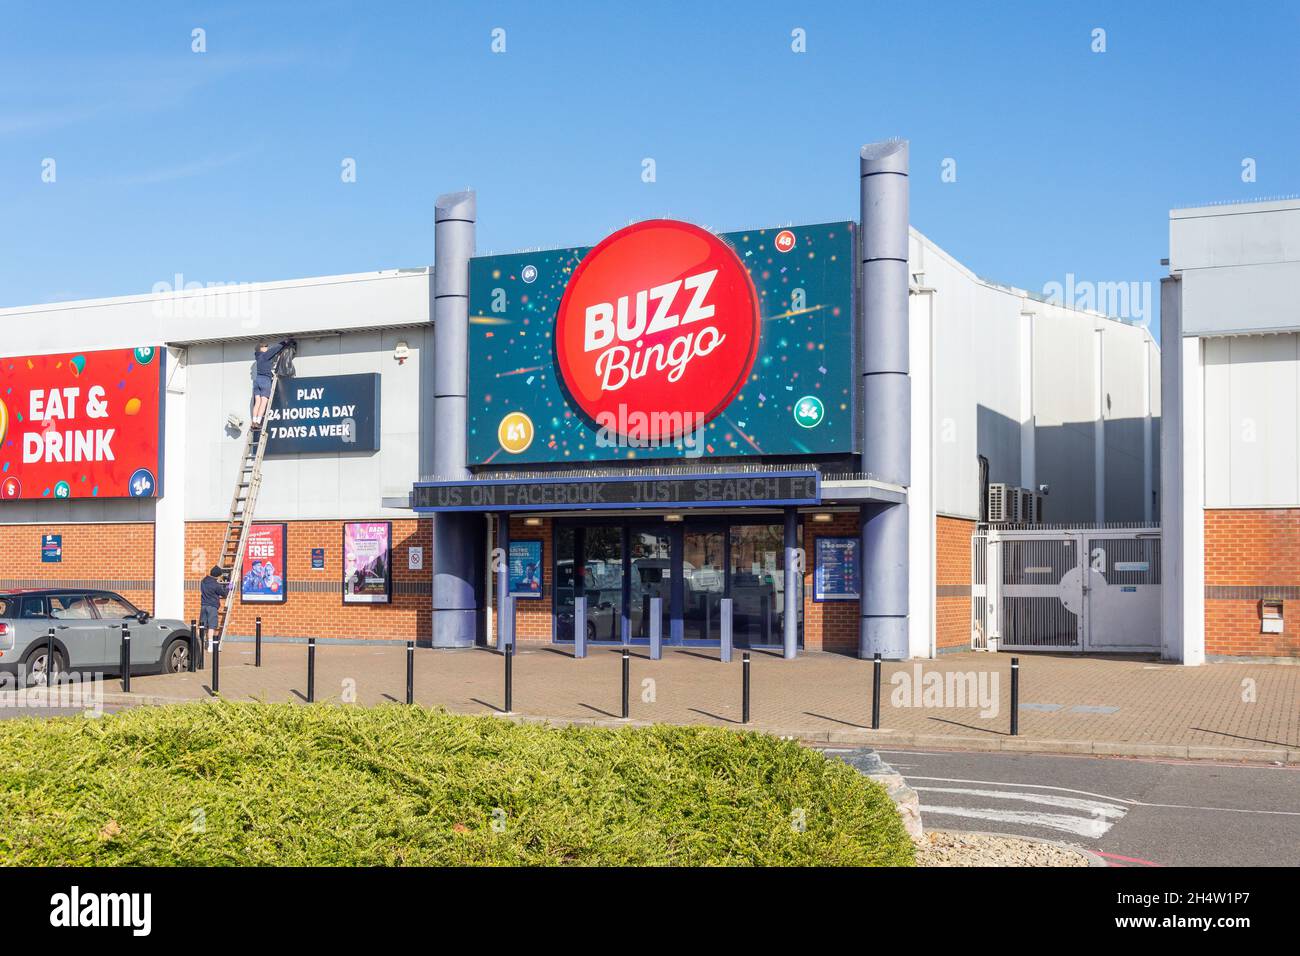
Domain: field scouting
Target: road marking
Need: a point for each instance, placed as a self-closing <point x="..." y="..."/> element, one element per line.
<point x="1095" y="807"/>
<point x="1080" y="826"/>
<point x="1125" y="859"/>
<point x="1105" y="796"/>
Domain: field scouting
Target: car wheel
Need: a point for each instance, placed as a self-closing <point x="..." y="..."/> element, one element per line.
<point x="36" y="667"/>
<point x="591" y="631"/>
<point x="176" y="656"/>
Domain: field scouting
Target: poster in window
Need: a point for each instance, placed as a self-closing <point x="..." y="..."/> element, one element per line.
<point x="837" y="575"/>
<point x="262" y="574"/>
<point x="525" y="569"/>
<point x="367" y="562"/>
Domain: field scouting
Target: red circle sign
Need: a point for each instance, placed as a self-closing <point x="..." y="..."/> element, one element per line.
<point x="657" y="330"/>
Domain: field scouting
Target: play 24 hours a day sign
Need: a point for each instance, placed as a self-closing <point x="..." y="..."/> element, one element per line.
<point x="322" y="414"/>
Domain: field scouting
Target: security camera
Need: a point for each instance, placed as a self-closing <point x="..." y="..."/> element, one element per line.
<point x="235" y="421"/>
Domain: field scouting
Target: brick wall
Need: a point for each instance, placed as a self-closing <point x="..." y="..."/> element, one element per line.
<point x="314" y="601"/>
<point x="115" y="557"/>
<point x="1251" y="554"/>
<point x="828" y="625"/>
<point x="952" y="581"/>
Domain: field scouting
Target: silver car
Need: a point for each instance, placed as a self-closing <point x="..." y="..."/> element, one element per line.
<point x="87" y="627"/>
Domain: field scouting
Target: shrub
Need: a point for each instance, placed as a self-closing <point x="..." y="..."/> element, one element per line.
<point x="214" y="784"/>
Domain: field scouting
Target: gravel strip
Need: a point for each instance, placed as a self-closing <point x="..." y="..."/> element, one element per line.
<point x="949" y="848"/>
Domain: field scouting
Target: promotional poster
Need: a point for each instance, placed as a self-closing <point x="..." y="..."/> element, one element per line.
<point x="81" y="425"/>
<point x="525" y="569"/>
<point x="367" y="566"/>
<point x="262" y="577"/>
<point x="665" y="341"/>
<point x="837" y="575"/>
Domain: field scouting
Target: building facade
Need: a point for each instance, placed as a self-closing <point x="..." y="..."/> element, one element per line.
<point x="836" y="398"/>
<point x="1230" y="327"/>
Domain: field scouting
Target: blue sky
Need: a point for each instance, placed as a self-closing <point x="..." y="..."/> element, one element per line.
<point x="225" y="166"/>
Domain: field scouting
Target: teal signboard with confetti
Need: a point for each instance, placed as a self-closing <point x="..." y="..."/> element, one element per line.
<point x="665" y="341"/>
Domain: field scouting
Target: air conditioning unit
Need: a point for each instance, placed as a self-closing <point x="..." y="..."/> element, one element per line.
<point x="1028" y="514"/>
<point x="1004" y="503"/>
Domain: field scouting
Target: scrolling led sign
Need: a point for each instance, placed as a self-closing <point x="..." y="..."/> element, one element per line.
<point x="787" y="488"/>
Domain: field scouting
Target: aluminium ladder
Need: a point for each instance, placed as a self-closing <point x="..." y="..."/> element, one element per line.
<point x="247" y="484"/>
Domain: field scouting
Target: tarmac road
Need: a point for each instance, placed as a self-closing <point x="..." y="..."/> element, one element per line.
<point x="1134" y="812"/>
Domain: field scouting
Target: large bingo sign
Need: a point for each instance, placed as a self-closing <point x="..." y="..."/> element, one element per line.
<point x="81" y="424"/>
<point x="665" y="340"/>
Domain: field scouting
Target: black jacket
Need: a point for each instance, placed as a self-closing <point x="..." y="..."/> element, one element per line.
<point x="211" y="591"/>
<point x="266" y="360"/>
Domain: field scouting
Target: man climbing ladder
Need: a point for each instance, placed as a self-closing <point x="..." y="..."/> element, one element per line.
<point x="266" y="358"/>
<point x="272" y="362"/>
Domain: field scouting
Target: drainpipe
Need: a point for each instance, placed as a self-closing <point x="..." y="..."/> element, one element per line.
<point x="456" y="537"/>
<point x="886" y="395"/>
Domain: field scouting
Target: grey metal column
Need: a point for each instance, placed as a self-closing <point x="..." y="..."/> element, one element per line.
<point x="886" y="395"/>
<point x="724" y="630"/>
<point x="455" y="599"/>
<point x="505" y="622"/>
<point x="790" y="638"/>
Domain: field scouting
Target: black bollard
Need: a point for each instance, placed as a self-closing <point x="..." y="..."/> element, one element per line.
<point x="509" y="655"/>
<point x="203" y="644"/>
<point x="744" y="695"/>
<point x="410" y="672"/>
<point x="875" y="693"/>
<point x="257" y="637"/>
<point x="311" y="670"/>
<point x="1015" y="696"/>
<point x="126" y="658"/>
<point x="627" y="672"/>
<point x="216" y="666"/>
<point x="50" y="675"/>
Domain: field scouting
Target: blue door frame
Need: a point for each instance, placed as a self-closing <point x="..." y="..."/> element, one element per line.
<point x="675" y="633"/>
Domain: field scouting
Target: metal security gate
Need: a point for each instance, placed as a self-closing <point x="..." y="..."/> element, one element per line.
<point x="1073" y="589"/>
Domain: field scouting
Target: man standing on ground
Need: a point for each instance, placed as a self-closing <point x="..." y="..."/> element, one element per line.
<point x="212" y="590"/>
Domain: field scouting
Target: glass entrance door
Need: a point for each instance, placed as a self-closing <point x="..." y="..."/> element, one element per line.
<point x="704" y="582"/>
<point x="690" y="567"/>
<point x="650" y="569"/>
<point x="757" y="585"/>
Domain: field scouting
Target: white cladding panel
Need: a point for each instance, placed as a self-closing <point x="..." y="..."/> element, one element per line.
<point x="1124" y="404"/>
<point x="1221" y="251"/>
<point x="982" y="399"/>
<point x="1252" y="418"/>
<point x="272" y="309"/>
<point x="340" y="485"/>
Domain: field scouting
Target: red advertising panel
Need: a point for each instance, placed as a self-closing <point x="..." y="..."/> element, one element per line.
<point x="81" y="424"/>
<point x="261" y="578"/>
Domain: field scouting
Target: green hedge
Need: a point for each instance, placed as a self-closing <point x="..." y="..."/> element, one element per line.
<point x="257" y="784"/>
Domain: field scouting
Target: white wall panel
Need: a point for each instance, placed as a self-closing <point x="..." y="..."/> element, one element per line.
<point x="1252" y="399"/>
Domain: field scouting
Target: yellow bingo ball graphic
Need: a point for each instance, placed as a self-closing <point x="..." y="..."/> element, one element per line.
<point x="515" y="433"/>
<point x="4" y="420"/>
